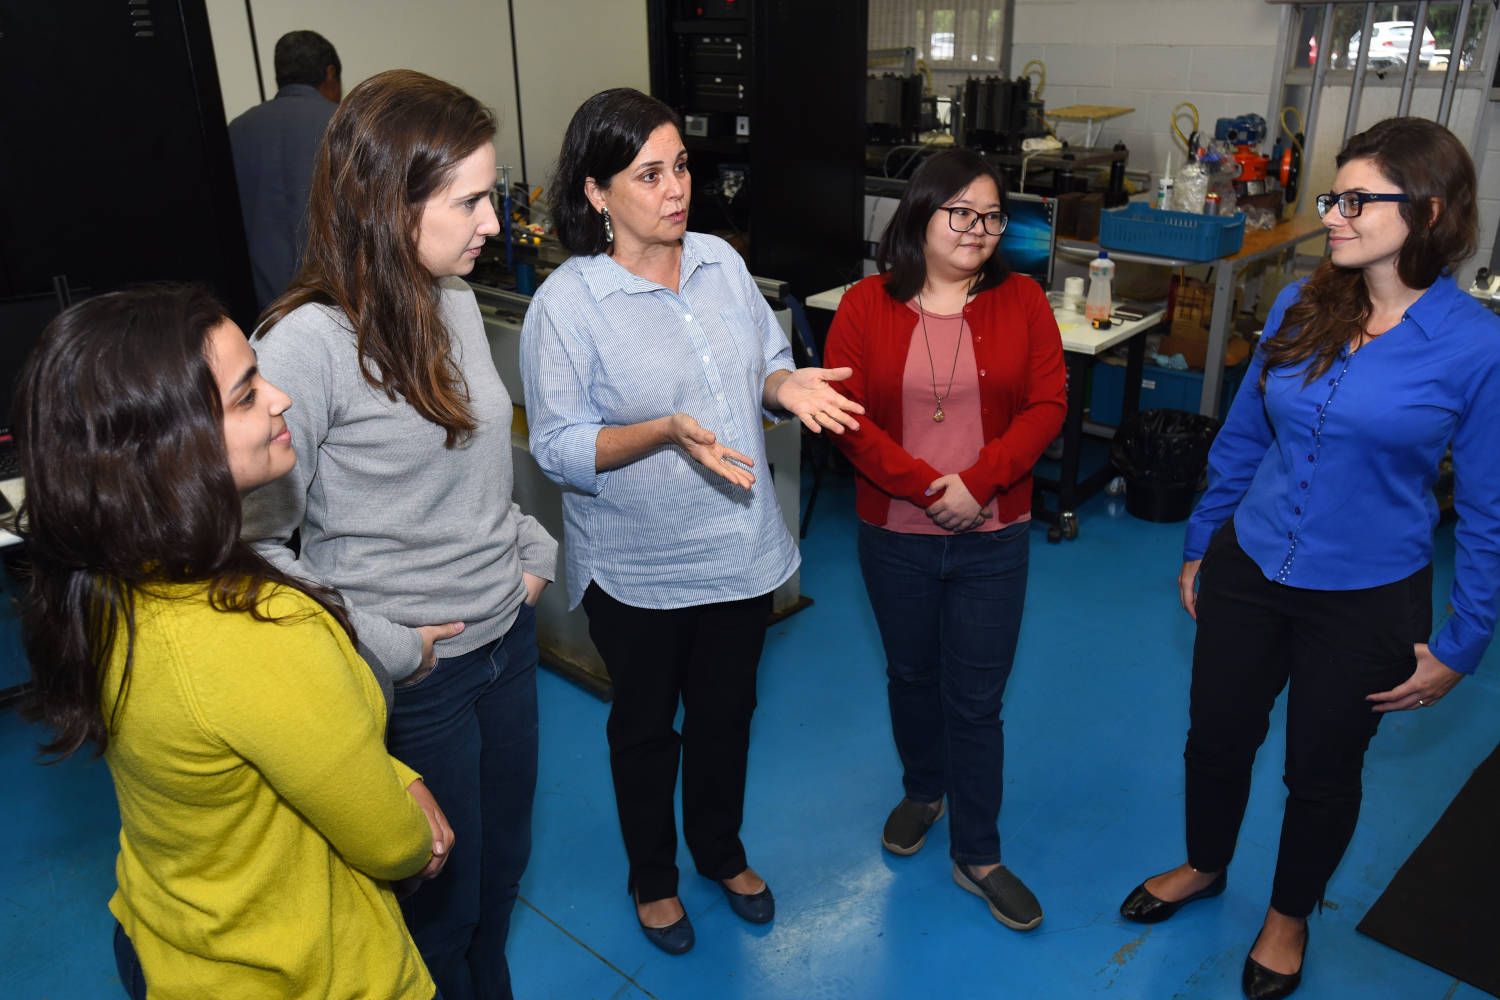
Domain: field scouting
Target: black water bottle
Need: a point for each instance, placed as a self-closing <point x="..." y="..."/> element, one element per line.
<point x="1116" y="193"/>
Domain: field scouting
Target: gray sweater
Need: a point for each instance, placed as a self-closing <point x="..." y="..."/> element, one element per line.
<point x="410" y="532"/>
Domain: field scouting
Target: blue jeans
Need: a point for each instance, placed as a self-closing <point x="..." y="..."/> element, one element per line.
<point x="470" y="729"/>
<point x="128" y="964"/>
<point x="949" y="611"/>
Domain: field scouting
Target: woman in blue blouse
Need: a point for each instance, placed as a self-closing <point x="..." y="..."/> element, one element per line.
<point x="1311" y="551"/>
<point x="649" y="360"/>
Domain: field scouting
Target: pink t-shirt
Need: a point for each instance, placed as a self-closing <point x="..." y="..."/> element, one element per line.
<point x="953" y="444"/>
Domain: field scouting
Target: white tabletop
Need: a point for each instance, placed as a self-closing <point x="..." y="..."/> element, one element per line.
<point x="1078" y="335"/>
<point x="14" y="491"/>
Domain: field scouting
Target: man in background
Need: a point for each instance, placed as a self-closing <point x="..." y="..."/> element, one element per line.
<point x="274" y="146"/>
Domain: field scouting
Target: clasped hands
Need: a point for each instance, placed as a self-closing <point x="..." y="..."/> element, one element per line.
<point x="956" y="510"/>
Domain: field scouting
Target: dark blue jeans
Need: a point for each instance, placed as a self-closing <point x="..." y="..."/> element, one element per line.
<point x="949" y="611"/>
<point x="470" y="729"/>
<point x="129" y="966"/>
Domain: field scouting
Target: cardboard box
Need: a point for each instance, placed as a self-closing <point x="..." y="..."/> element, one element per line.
<point x="1190" y="313"/>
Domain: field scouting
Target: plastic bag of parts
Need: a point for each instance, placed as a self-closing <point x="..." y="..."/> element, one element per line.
<point x="1259" y="218"/>
<point x="1190" y="188"/>
<point x="1162" y="455"/>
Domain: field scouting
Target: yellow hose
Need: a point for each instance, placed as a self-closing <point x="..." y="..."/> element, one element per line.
<point x="1292" y="132"/>
<point x="1176" y="113"/>
<point x="1041" y="69"/>
<point x="925" y="72"/>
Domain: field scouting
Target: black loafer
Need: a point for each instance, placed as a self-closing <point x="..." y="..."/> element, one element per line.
<point x="674" y="939"/>
<point x="757" y="908"/>
<point x="1009" y="900"/>
<point x="906" y="827"/>
<point x="1143" y="908"/>
<point x="1260" y="983"/>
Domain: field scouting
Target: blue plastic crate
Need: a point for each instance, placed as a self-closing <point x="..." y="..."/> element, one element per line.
<point x="1137" y="228"/>
<point x="1161" y="389"/>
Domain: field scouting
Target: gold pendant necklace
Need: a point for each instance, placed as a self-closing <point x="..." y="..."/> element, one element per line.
<point x="938" y="416"/>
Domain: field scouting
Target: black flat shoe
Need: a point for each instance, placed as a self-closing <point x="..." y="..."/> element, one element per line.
<point x="1260" y="983"/>
<point x="1143" y="908"/>
<point x="674" y="939"/>
<point x="757" y="908"/>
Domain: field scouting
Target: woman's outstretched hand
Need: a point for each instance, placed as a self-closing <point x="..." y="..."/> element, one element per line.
<point x="704" y="447"/>
<point x="806" y="395"/>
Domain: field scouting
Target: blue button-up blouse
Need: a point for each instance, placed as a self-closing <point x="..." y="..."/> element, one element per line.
<point x="1330" y="483"/>
<point x="602" y="347"/>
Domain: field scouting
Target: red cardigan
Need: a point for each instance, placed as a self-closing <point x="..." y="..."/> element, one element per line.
<point x="1022" y="391"/>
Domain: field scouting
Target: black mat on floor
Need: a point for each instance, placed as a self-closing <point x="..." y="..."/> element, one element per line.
<point x="1443" y="906"/>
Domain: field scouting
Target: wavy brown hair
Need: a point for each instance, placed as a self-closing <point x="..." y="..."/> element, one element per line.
<point x="120" y="432"/>
<point x="1426" y="162"/>
<point x="395" y="141"/>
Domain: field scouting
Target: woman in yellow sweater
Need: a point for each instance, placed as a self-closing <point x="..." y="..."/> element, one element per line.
<point x="261" y="818"/>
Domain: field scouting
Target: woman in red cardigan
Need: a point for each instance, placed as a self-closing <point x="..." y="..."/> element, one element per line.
<point x="959" y="365"/>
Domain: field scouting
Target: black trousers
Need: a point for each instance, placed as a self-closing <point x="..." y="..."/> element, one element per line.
<point x="707" y="656"/>
<point x="1334" y="648"/>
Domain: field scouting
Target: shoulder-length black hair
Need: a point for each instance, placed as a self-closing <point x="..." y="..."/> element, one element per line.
<point x="119" y="428"/>
<point x="603" y="138"/>
<point x="901" y="254"/>
<point x="1426" y="162"/>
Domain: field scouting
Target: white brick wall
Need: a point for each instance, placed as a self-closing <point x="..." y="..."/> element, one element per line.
<point x="1150" y="55"/>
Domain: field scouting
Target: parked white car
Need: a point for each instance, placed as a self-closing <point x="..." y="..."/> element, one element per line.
<point x="1390" y="41"/>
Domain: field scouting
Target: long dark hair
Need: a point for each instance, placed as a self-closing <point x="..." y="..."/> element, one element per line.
<point x="119" y="427"/>
<point x="901" y="255"/>
<point x="394" y="141"/>
<point x="603" y="138"/>
<point x="1426" y="162"/>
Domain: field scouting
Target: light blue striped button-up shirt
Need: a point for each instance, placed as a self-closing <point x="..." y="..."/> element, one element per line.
<point x="601" y="347"/>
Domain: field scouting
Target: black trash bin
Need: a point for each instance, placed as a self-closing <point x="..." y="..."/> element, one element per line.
<point x="1162" y="455"/>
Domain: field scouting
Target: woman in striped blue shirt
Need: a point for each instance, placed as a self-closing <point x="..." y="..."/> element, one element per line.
<point x="650" y="359"/>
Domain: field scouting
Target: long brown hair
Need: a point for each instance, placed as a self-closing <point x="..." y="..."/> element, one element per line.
<point x="394" y="141"/>
<point x="128" y="488"/>
<point x="1427" y="162"/>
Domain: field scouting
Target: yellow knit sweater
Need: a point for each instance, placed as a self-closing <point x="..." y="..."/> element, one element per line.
<point x="260" y="814"/>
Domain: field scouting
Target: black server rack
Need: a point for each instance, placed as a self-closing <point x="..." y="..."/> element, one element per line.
<point x="772" y="95"/>
<point x="117" y="167"/>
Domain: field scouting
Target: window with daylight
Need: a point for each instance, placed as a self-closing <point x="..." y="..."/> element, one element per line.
<point x="950" y="34"/>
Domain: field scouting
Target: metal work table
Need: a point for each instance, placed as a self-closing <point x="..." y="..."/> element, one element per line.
<point x="1258" y="244"/>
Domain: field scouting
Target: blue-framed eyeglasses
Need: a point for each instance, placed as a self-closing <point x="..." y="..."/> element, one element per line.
<point x="1351" y="203"/>
<point x="961" y="219"/>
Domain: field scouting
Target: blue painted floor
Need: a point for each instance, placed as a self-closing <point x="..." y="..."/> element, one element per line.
<point x="1095" y="717"/>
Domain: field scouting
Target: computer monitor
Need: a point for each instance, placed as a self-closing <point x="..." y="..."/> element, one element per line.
<point x="1029" y="241"/>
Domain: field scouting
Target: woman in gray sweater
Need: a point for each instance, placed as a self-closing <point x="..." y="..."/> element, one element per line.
<point x="402" y="489"/>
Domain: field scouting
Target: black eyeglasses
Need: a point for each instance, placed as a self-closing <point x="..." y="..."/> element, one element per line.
<point x="961" y="220"/>
<point x="1351" y="203"/>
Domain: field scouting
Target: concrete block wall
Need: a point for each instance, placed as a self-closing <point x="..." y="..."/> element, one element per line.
<point x="1150" y="55"/>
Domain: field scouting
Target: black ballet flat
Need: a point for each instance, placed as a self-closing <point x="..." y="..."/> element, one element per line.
<point x="1143" y="908"/>
<point x="674" y="939"/>
<point x="756" y="907"/>
<point x="1260" y="983"/>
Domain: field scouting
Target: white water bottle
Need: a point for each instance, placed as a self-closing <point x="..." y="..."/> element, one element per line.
<point x="1101" y="297"/>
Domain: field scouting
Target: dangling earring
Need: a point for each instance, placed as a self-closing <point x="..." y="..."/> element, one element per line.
<point x="609" y="230"/>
